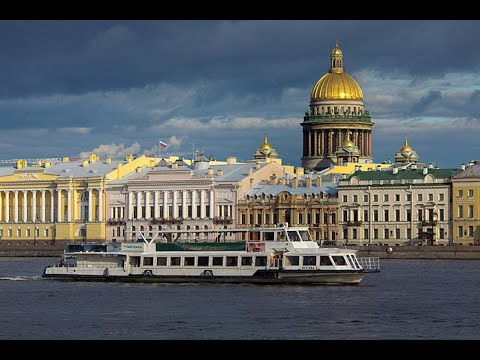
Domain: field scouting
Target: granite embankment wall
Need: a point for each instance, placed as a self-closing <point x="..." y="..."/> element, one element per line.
<point x="50" y="248"/>
<point x="422" y="252"/>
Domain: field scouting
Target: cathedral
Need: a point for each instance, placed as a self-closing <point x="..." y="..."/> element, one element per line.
<point x="336" y="118"/>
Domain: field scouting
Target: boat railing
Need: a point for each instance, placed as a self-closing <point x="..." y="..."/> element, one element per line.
<point x="369" y="264"/>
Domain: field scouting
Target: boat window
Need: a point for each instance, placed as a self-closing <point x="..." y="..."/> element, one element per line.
<point x="217" y="261"/>
<point x="356" y="262"/>
<point x="202" y="261"/>
<point x="293" y="235"/>
<point x="162" y="261"/>
<point x="260" y="261"/>
<point x="309" y="260"/>
<point x="305" y="236"/>
<point x="232" y="260"/>
<point x="246" y="260"/>
<point x="268" y="236"/>
<point x="350" y="261"/>
<point x="148" y="261"/>
<point x="325" y="261"/>
<point x="175" y="261"/>
<point x="339" y="260"/>
<point x="293" y="261"/>
<point x="188" y="261"/>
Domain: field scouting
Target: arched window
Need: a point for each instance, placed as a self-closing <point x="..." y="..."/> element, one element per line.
<point x="118" y="231"/>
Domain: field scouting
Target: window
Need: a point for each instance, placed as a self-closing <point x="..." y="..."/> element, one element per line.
<point x="345" y="215"/>
<point x="442" y="233"/>
<point x="441" y="197"/>
<point x="309" y="261"/>
<point x="162" y="261"/>
<point x="244" y="219"/>
<point x="354" y="234"/>
<point x="345" y="234"/>
<point x="375" y="215"/>
<point x="460" y="231"/>
<point x="202" y="261"/>
<point x="470" y="194"/>
<point x="19" y="232"/>
<point x="365" y="234"/>
<point x="148" y="261"/>
<point x="333" y="218"/>
<point x="419" y="197"/>
<point x="259" y="218"/>
<point x="375" y="198"/>
<point x="460" y="211"/>
<point x="385" y="215"/>
<point x="409" y="233"/>
<point x="442" y="215"/>
<point x="397" y="197"/>
<point x="344" y="198"/>
<point x="470" y="211"/>
<point x="386" y="234"/>
<point x="189" y="211"/>
<point x="397" y="233"/>
<point x="355" y="198"/>
<point x="420" y="215"/>
<point x="300" y="218"/>
<point x="339" y="260"/>
<point x="385" y="197"/>
<point x="260" y="261"/>
<point x="460" y="193"/>
<point x="375" y="233"/>
<point x="365" y="215"/>
<point x="430" y="214"/>
<point x="355" y="215"/>
<point x="409" y="197"/>
<point x="217" y="261"/>
<point x="430" y="197"/>
<point x="365" y="198"/>
<point x="232" y="260"/>
<point x="27" y="233"/>
<point x="189" y="261"/>
<point x="246" y="261"/>
<point x="409" y="215"/>
<point x="293" y="260"/>
<point x="397" y="214"/>
<point x="325" y="261"/>
<point x="175" y="261"/>
<point x="470" y="231"/>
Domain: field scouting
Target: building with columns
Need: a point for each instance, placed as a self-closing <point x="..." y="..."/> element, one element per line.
<point x="336" y="109"/>
<point x="48" y="202"/>
<point x="182" y="198"/>
<point x="396" y="206"/>
<point x="300" y="203"/>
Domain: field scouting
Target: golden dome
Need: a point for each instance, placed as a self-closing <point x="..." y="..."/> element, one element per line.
<point x="265" y="145"/>
<point x="348" y="142"/>
<point x="336" y="51"/>
<point x="406" y="148"/>
<point x="336" y="86"/>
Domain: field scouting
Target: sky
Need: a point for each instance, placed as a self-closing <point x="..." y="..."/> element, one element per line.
<point x="71" y="87"/>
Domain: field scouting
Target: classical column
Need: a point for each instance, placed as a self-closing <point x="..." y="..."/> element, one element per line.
<point x="90" y="204"/>
<point x="52" y="199"/>
<point x="34" y="205"/>
<point x="139" y="207"/>
<point x="339" y="139"/>
<point x="130" y="205"/>
<point x="184" y="204"/>
<point x="100" y="204"/>
<point x="330" y="137"/>
<point x="69" y="207"/>
<point x="320" y="142"/>
<point x="148" y="214"/>
<point x="211" y="204"/>
<point x="309" y="144"/>
<point x="43" y="206"/>
<point x="74" y="209"/>
<point x="59" y="205"/>
<point x="155" y="204"/>
<point x="174" y="204"/>
<point x="1" y="205"/>
<point x="202" y="204"/>
<point x="15" y="206"/>
<point x="315" y="142"/>
<point x="165" y="207"/>
<point x="194" y="208"/>
<point x="7" y="206"/>
<point x="25" y="213"/>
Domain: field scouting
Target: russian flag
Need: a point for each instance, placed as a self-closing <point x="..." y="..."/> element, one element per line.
<point x="163" y="145"/>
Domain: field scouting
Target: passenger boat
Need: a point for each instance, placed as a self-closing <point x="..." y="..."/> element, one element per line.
<point x="277" y="255"/>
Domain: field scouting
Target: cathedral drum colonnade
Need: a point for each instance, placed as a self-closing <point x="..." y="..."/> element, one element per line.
<point x="336" y="112"/>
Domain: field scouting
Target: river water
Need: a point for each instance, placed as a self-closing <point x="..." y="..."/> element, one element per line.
<point x="408" y="299"/>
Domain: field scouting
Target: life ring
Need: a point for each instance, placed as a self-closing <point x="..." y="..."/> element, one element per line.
<point x="147" y="273"/>
<point x="207" y="273"/>
<point x="389" y="250"/>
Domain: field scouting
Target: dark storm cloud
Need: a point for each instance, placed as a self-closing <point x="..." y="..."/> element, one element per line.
<point x="423" y="103"/>
<point x="43" y="57"/>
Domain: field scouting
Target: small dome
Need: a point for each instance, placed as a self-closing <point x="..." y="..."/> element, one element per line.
<point x="348" y="142"/>
<point x="265" y="145"/>
<point x="336" y="51"/>
<point x="406" y="148"/>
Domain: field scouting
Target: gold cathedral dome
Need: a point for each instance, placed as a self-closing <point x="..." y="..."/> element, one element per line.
<point x="336" y="84"/>
<point x="265" y="145"/>
<point x="406" y="148"/>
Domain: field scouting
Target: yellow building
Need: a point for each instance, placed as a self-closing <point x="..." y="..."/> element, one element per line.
<point x="45" y="202"/>
<point x="466" y="205"/>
